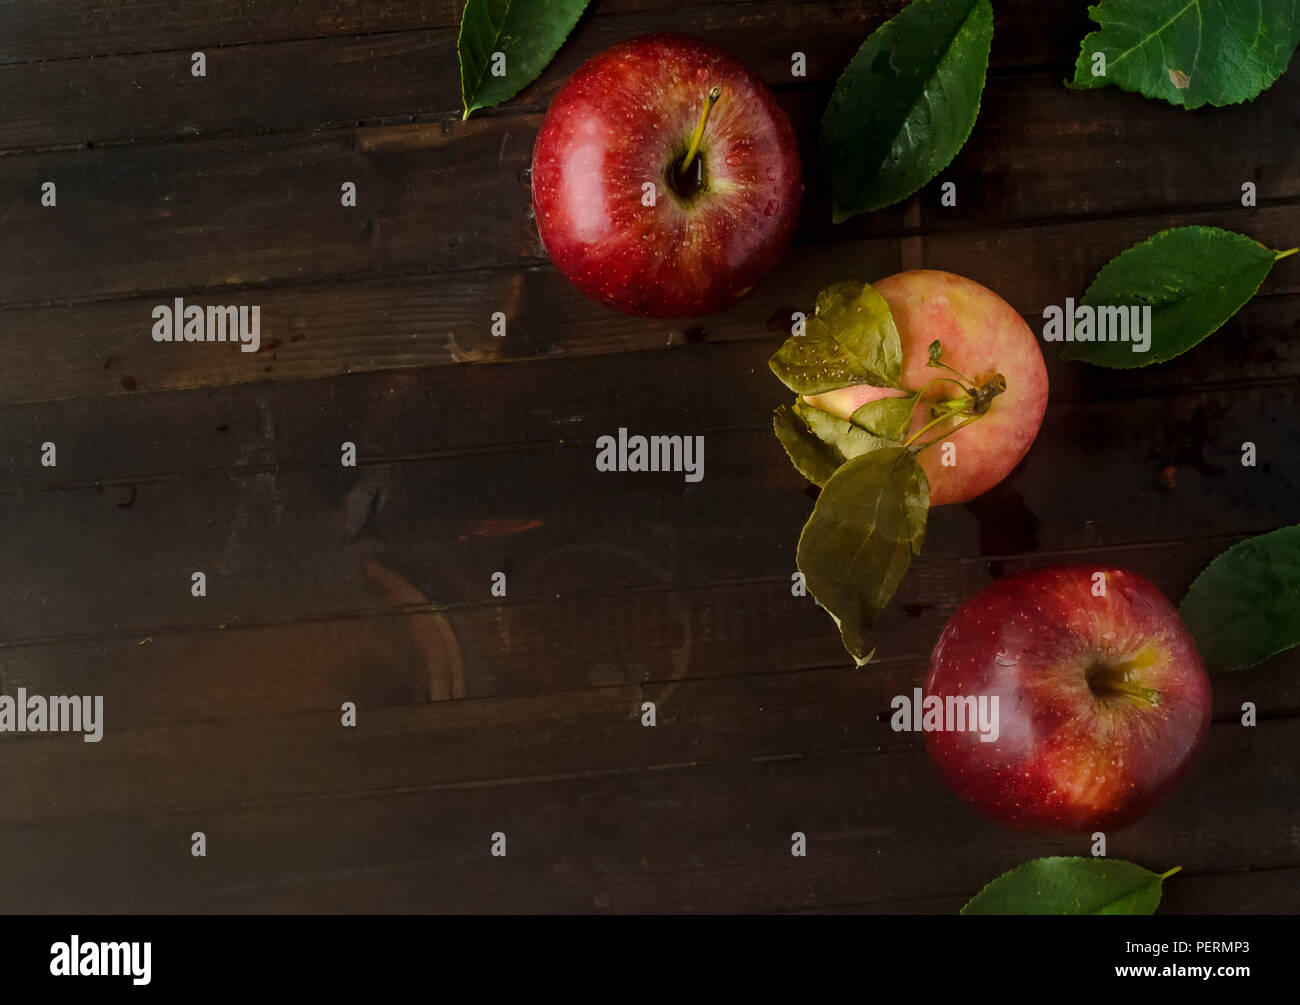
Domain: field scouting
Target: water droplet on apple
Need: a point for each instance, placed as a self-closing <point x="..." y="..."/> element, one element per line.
<point x="772" y="174"/>
<point x="770" y="208"/>
<point x="730" y="161"/>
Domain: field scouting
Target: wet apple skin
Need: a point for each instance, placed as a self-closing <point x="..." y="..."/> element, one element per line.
<point x="618" y="123"/>
<point x="1067" y="759"/>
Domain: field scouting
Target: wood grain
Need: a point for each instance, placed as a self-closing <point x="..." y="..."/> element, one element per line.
<point x="451" y="196"/>
<point x="370" y="584"/>
<point x="326" y="329"/>
<point x="651" y="638"/>
<point x="294" y="543"/>
<point x="71" y="29"/>
<point x="686" y="837"/>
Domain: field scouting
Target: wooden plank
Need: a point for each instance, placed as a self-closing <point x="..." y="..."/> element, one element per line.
<point x="127" y="215"/>
<point x="263" y="209"/>
<point x="258" y="757"/>
<point x="392" y="77"/>
<point x="66" y="29"/>
<point x="453" y="409"/>
<point x="713" y="837"/>
<point x="283" y="544"/>
<point x="308" y="331"/>
<point x="1042" y="151"/>
<point x="371" y="584"/>
<point x="1241" y="891"/>
<point x="652" y="637"/>
<point x="388" y="77"/>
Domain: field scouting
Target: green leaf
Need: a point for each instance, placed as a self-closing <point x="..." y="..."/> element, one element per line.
<point x="818" y="442"/>
<point x="1245" y="606"/>
<point x="527" y="32"/>
<point x="855" y="548"/>
<point x="1190" y="52"/>
<point x="886" y="417"/>
<point x="1192" y="278"/>
<point x="850" y="339"/>
<point x="906" y="103"/>
<point x="812" y="458"/>
<point x="1071" y="886"/>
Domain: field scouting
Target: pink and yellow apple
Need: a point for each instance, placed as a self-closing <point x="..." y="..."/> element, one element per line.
<point x="982" y="335"/>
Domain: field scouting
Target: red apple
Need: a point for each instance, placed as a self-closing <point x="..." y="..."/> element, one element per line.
<point x="981" y="335"/>
<point x="621" y="213"/>
<point x="1102" y="699"/>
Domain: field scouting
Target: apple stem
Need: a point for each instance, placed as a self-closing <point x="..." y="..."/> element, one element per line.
<point x="710" y="100"/>
<point x="991" y="389"/>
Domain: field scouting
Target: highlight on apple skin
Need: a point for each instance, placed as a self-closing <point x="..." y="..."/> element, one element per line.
<point x="1102" y="699"/>
<point x="982" y="335"/>
<point x="615" y="210"/>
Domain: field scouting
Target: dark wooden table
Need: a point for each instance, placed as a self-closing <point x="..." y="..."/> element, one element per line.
<point x="372" y="584"/>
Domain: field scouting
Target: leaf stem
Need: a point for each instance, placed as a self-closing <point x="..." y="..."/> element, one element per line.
<point x="918" y="396"/>
<point x="974" y="405"/>
<point x="1166" y="875"/>
<point x="939" y="380"/>
<point x="928" y="426"/>
<point x="943" y="436"/>
<point x="962" y="379"/>
<point x="1285" y="254"/>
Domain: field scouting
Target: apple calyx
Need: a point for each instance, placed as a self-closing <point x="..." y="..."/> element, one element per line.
<point x="685" y="183"/>
<point x="1109" y="680"/>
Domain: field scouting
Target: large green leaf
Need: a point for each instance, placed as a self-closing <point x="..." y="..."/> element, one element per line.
<point x="1245" y="606"/>
<point x="850" y="339"/>
<point x="1071" y="886"/>
<point x="906" y="103"/>
<point x="527" y="33"/>
<point x="857" y="545"/>
<point x="1190" y="52"/>
<point x="1193" y="279"/>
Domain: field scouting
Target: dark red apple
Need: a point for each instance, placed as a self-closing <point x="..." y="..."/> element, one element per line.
<point x="1102" y="699"/>
<point x="666" y="180"/>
